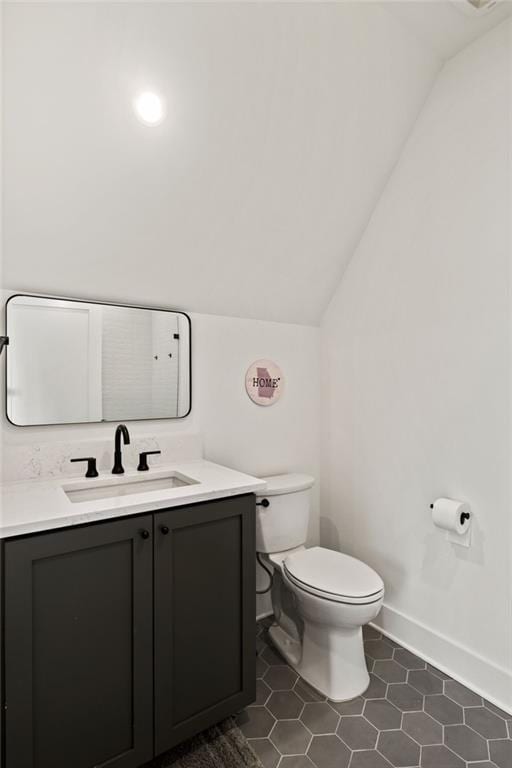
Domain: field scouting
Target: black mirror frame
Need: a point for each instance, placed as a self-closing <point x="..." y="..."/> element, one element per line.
<point x="102" y="303"/>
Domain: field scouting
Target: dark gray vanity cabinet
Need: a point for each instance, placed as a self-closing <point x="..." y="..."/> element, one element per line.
<point x="78" y="647"/>
<point x="204" y="616"/>
<point x="123" y="638"/>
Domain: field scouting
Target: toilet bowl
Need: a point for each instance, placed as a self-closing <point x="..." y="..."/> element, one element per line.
<point x="321" y="598"/>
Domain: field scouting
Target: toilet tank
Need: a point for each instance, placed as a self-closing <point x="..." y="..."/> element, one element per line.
<point x="283" y="523"/>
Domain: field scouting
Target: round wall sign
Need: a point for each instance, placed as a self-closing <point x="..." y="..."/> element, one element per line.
<point x="264" y="382"/>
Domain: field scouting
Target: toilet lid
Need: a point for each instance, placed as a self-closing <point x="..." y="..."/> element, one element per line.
<point x="333" y="574"/>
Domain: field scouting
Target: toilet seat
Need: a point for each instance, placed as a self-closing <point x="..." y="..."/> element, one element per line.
<point x="333" y="576"/>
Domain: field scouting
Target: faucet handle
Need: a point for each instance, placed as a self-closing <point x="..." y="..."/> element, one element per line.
<point x="91" y="466"/>
<point x="143" y="460"/>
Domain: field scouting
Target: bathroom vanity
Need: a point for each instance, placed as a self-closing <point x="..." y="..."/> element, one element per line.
<point x="128" y="617"/>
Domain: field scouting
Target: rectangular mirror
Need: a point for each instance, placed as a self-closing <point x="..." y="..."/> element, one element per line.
<point x="71" y="361"/>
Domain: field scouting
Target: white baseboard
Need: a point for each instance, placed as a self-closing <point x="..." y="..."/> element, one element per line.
<point x="491" y="681"/>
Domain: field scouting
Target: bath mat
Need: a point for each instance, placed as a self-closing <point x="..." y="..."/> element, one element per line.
<point x="222" y="746"/>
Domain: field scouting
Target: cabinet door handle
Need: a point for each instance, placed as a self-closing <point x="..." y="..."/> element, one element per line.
<point x="165" y="530"/>
<point x="144" y="534"/>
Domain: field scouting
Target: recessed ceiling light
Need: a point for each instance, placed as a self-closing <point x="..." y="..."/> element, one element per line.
<point x="149" y="108"/>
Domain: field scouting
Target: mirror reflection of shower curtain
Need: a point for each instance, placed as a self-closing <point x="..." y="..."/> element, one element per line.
<point x="55" y="375"/>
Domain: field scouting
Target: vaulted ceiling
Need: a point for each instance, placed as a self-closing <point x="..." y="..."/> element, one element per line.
<point x="283" y="124"/>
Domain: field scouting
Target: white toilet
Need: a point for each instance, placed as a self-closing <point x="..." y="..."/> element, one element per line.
<point x="320" y="598"/>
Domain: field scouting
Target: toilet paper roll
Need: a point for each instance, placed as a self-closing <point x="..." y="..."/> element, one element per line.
<point x="451" y="515"/>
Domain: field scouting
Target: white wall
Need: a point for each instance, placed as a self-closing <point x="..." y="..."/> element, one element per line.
<point x="416" y="378"/>
<point x="259" y="440"/>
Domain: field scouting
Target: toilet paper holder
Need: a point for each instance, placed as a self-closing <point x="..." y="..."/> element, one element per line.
<point x="463" y="515"/>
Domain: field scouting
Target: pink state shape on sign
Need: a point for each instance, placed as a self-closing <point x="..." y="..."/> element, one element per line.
<point x="265" y="388"/>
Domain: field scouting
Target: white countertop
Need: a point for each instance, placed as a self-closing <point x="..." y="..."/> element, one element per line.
<point x="42" y="505"/>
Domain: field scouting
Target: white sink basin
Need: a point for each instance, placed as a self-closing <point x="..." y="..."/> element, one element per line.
<point x="101" y="488"/>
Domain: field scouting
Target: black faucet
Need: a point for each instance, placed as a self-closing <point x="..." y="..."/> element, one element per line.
<point x="121" y="432"/>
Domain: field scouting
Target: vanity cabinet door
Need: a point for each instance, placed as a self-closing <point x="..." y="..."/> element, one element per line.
<point x="78" y="647"/>
<point x="204" y="616"/>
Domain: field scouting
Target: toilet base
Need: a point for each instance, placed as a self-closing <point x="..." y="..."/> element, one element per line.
<point x="289" y="648"/>
<point x="330" y="659"/>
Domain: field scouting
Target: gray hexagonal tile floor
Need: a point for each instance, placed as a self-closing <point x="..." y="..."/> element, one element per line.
<point x="411" y="716"/>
